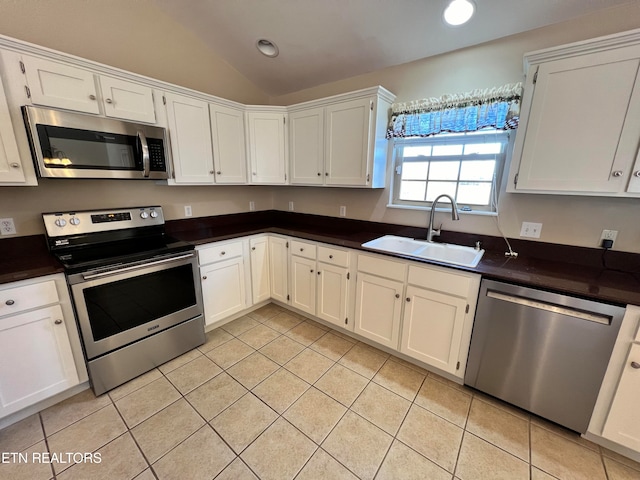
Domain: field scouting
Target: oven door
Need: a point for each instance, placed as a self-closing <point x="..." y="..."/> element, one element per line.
<point x="119" y="306"/>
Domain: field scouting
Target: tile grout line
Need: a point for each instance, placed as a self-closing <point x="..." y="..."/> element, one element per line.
<point x="46" y="444"/>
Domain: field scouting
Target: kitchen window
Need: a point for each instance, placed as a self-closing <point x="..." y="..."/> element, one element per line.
<point x="466" y="166"/>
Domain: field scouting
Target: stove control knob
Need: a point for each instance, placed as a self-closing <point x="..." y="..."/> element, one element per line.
<point x="74" y="221"/>
<point x="154" y="214"/>
<point x="144" y="215"/>
<point x="61" y="222"/>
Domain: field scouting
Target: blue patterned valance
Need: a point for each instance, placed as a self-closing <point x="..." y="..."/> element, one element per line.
<point x="497" y="108"/>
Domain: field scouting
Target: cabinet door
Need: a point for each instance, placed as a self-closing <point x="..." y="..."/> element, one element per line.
<point x="432" y="327"/>
<point x="576" y="137"/>
<point x="306" y="146"/>
<point x="127" y="100"/>
<point x="623" y="423"/>
<point x="261" y="286"/>
<point x="227" y="133"/>
<point x="10" y="163"/>
<point x="378" y="307"/>
<point x="278" y="269"/>
<point x="223" y="291"/>
<point x="36" y="360"/>
<point x="332" y="294"/>
<point x="348" y="130"/>
<point x="303" y="284"/>
<point x="267" y="154"/>
<point x="57" y="85"/>
<point x="190" y="136"/>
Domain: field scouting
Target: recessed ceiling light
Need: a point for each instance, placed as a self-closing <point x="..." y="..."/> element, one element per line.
<point x="267" y="48"/>
<point x="459" y="12"/>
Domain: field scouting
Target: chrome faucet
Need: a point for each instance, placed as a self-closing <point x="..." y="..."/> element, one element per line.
<point x="434" y="232"/>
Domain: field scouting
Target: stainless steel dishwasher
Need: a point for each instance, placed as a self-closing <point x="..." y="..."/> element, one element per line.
<point x="544" y="352"/>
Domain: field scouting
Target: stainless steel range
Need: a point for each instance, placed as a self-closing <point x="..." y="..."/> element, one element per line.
<point x="135" y="290"/>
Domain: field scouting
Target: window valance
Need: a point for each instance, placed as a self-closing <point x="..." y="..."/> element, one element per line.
<point x="497" y="107"/>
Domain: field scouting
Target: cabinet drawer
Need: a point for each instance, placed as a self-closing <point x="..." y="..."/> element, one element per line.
<point x="333" y="256"/>
<point x="303" y="249"/>
<point x="382" y="267"/>
<point x="439" y="280"/>
<point x="217" y="253"/>
<point x="19" y="299"/>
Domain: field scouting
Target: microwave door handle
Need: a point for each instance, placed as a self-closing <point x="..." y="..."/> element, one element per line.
<point x="146" y="167"/>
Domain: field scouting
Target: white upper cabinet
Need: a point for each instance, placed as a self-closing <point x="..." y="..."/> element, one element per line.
<point x="267" y="147"/>
<point x="10" y="164"/>
<point x="306" y="146"/>
<point x="190" y="137"/>
<point x="127" y="100"/>
<point x="580" y="126"/>
<point x="59" y="85"/>
<point x="341" y="140"/>
<point x="227" y="132"/>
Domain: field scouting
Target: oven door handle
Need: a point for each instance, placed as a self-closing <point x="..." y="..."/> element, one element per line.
<point x="91" y="276"/>
<point x="146" y="166"/>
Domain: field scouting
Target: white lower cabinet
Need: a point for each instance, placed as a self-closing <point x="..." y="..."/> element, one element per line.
<point x="40" y="353"/>
<point x="222" y="273"/>
<point x="333" y="294"/>
<point x="279" y="268"/>
<point x="379" y="289"/>
<point x="303" y="284"/>
<point x="623" y="422"/>
<point x="260" y="284"/>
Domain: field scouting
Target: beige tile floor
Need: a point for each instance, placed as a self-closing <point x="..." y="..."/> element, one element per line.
<point x="274" y="396"/>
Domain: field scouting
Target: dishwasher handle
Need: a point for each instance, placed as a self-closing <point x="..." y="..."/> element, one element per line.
<point x="550" y="307"/>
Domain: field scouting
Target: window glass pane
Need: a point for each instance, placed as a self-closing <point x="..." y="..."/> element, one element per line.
<point x="412" y="190"/>
<point x="482" y="148"/>
<point x="447" y="150"/>
<point x="416" y="151"/>
<point x="444" y="170"/>
<point x="438" y="188"/>
<point x="474" y="193"/>
<point x="477" y="170"/>
<point x="415" y="170"/>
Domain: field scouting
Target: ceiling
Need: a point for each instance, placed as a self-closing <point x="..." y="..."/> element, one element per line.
<point x="322" y="41"/>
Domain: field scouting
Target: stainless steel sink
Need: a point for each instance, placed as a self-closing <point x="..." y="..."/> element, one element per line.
<point x="438" y="252"/>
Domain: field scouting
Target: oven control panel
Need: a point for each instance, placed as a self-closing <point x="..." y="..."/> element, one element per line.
<point x="62" y="224"/>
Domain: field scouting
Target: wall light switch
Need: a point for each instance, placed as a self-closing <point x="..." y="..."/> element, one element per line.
<point x="187" y="211"/>
<point x="252" y="206"/>
<point x="291" y="206"/>
<point x="343" y="211"/>
<point x="7" y="227"/>
<point x="530" y="230"/>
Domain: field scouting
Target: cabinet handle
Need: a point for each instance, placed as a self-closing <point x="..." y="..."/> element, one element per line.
<point x="9" y="302"/>
<point x="397" y="295"/>
<point x="210" y="172"/>
<point x="302" y="249"/>
<point x="319" y="174"/>
<point x="253" y="173"/>
<point x="618" y="173"/>
<point x="408" y="299"/>
<point x="253" y="248"/>
<point x="636" y="173"/>
<point x="218" y="172"/>
<point x="108" y="100"/>
<point x="15" y="165"/>
<point x="204" y="277"/>
<point x="330" y="256"/>
<point x="223" y="253"/>
<point x="311" y="271"/>
<point x="92" y="97"/>
<point x="635" y="365"/>
<point x="326" y="174"/>
<point x="318" y="272"/>
<point x="58" y="322"/>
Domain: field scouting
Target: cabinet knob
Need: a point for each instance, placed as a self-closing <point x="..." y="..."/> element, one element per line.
<point x="302" y="249"/>
<point x="108" y="100"/>
<point x="319" y="174"/>
<point x="397" y="295"/>
<point x="408" y="299"/>
<point x="223" y="253"/>
<point x="204" y="277"/>
<point x="58" y="322"/>
<point x="318" y="272"/>
<point x="210" y="172"/>
<point x="636" y="173"/>
<point x="635" y="365"/>
<point x="618" y="173"/>
<point x="326" y="174"/>
<point x="253" y="248"/>
<point x="330" y="256"/>
<point x="311" y="271"/>
<point x="253" y="173"/>
<point x="15" y="165"/>
<point x="218" y="172"/>
<point x="92" y="97"/>
<point x="9" y="302"/>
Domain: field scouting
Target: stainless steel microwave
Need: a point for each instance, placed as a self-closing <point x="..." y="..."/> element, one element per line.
<point x="73" y="145"/>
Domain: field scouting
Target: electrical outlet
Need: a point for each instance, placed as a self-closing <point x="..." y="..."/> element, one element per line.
<point x="291" y="206"/>
<point x="252" y="206"/>
<point x="187" y="211"/>
<point x="343" y="211"/>
<point x="608" y="235"/>
<point x="530" y="230"/>
<point x="7" y="227"/>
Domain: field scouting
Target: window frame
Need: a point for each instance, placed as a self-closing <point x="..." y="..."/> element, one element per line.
<point x="485" y="136"/>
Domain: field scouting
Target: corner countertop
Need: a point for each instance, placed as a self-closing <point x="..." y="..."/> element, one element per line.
<point x="612" y="277"/>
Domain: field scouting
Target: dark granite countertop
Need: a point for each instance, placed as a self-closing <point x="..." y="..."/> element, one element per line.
<point x="585" y="272"/>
